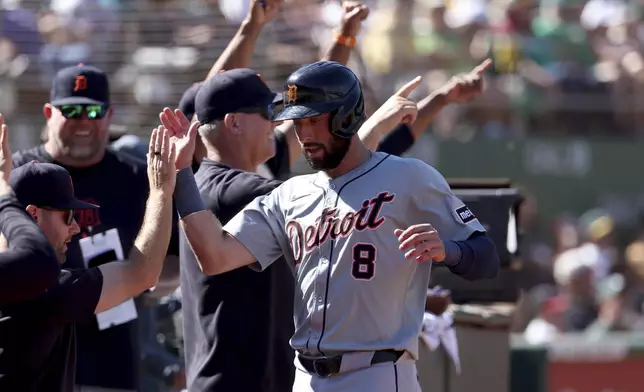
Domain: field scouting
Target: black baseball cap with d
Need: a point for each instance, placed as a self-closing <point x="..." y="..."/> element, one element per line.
<point x="45" y="185"/>
<point x="237" y="90"/>
<point x="80" y="85"/>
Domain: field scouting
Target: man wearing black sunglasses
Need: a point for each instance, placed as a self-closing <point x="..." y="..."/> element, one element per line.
<point x="38" y="336"/>
<point x="77" y="125"/>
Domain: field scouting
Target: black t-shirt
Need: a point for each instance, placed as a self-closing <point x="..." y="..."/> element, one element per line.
<point x="119" y="185"/>
<point x="38" y="337"/>
<point x="237" y="325"/>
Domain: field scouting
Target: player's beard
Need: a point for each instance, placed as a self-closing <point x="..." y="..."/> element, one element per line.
<point x="333" y="155"/>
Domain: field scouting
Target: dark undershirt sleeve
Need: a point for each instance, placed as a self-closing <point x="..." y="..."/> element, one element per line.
<point x="479" y="258"/>
<point x="398" y="141"/>
<point x="30" y="265"/>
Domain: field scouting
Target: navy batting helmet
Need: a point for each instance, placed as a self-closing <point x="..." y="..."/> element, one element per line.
<point x="325" y="87"/>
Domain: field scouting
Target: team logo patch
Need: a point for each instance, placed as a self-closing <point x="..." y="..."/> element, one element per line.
<point x="464" y="214"/>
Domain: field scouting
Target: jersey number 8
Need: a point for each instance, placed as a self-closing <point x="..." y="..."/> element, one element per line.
<point x="364" y="261"/>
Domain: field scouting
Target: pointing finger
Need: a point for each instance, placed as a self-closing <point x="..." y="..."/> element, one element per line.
<point x="484" y="66"/>
<point x="409" y="87"/>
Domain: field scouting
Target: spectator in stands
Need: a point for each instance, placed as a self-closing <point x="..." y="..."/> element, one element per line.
<point x="78" y="116"/>
<point x="575" y="277"/>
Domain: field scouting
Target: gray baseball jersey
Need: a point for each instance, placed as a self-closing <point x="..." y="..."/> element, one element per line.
<point x="355" y="289"/>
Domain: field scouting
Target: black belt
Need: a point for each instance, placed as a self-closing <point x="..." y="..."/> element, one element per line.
<point x="329" y="366"/>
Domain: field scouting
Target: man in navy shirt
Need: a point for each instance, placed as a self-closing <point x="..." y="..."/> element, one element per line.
<point x="38" y="336"/>
<point x="235" y="338"/>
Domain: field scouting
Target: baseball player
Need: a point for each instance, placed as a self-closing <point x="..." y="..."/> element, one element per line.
<point x="360" y="235"/>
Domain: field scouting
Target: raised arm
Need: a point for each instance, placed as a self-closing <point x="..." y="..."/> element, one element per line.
<point x="125" y="279"/>
<point x="397" y="109"/>
<point x="460" y="89"/>
<point x="240" y="50"/>
<point x="215" y="250"/>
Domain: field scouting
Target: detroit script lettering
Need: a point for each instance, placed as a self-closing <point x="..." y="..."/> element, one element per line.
<point x="331" y="225"/>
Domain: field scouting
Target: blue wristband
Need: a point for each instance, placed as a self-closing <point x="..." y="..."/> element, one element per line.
<point x="186" y="194"/>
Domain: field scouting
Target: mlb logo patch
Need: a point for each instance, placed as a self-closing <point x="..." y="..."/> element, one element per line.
<point x="464" y="214"/>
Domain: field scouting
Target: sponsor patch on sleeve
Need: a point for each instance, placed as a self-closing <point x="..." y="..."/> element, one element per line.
<point x="464" y="214"/>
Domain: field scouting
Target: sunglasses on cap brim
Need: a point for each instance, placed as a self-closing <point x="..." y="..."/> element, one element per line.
<point x="93" y="111"/>
<point x="68" y="215"/>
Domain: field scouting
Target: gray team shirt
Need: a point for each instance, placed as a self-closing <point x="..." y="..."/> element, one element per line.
<point x="355" y="290"/>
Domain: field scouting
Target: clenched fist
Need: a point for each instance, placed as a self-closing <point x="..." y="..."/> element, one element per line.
<point x="354" y="13"/>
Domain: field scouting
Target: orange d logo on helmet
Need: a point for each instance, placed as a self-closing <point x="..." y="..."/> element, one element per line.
<point x="292" y="93"/>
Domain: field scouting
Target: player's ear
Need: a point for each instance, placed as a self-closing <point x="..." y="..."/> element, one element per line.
<point x="34" y="212"/>
<point x="47" y="111"/>
<point x="232" y="123"/>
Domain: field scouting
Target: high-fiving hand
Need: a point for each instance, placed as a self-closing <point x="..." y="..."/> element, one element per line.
<point x="421" y="243"/>
<point x="162" y="173"/>
<point x="183" y="135"/>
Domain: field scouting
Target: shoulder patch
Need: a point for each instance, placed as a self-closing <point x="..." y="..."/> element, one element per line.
<point x="464" y="214"/>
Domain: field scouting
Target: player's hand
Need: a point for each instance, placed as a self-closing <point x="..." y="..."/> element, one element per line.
<point x="5" y="151"/>
<point x="398" y="108"/>
<point x="354" y="13"/>
<point x="263" y="11"/>
<point x="183" y="135"/>
<point x="421" y="243"/>
<point x="464" y="88"/>
<point x="162" y="173"/>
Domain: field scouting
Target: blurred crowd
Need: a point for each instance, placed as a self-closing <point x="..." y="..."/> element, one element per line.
<point x="590" y="280"/>
<point x="561" y="66"/>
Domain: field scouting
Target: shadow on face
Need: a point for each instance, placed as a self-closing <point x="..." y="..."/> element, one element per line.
<point x="58" y="227"/>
